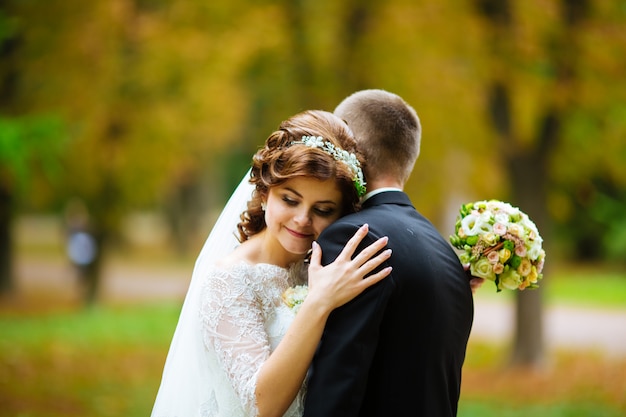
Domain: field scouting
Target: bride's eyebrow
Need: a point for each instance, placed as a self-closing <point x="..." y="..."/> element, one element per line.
<point x="293" y="191"/>
<point x="300" y="195"/>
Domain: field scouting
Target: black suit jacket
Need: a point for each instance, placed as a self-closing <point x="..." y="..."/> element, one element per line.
<point x="398" y="348"/>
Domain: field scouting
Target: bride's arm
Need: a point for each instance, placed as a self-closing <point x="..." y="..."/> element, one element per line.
<point x="282" y="374"/>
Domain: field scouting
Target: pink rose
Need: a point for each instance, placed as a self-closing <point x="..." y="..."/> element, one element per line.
<point x="493" y="257"/>
<point x="499" y="229"/>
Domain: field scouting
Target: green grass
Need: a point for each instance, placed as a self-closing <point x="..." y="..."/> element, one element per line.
<point x="588" y="286"/>
<point x="121" y="325"/>
<point x="103" y="362"/>
<point x="107" y="361"/>
<point x="502" y="409"/>
<point x="572" y="384"/>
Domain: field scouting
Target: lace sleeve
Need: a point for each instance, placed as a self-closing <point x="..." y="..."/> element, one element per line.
<point x="233" y="327"/>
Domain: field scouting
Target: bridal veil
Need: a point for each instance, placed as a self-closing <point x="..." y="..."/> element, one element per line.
<point x="186" y="377"/>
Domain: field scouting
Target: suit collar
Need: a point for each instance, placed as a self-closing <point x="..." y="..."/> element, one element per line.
<point x="388" y="197"/>
<point x="378" y="191"/>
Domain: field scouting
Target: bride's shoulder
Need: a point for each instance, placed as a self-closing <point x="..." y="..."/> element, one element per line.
<point x="226" y="273"/>
<point x="237" y="259"/>
<point x="244" y="254"/>
<point x="235" y="264"/>
<point x="243" y="262"/>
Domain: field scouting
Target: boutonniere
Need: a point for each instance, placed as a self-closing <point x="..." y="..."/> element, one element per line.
<point x="293" y="297"/>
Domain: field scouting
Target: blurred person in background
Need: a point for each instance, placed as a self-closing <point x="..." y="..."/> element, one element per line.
<point x="81" y="246"/>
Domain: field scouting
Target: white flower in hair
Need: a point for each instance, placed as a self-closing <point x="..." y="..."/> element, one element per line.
<point x="314" y="141"/>
<point x="338" y="154"/>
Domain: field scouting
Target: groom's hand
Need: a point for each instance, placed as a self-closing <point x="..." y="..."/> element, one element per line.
<point x="475" y="282"/>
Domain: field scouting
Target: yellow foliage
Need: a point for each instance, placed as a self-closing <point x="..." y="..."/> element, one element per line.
<point x="156" y="91"/>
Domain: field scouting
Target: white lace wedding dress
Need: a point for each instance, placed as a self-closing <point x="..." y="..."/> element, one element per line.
<point x="230" y="322"/>
<point x="243" y="319"/>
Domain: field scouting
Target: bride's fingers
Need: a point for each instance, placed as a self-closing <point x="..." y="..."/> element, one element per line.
<point x="353" y="243"/>
<point x="316" y="255"/>
<point x="374" y="278"/>
<point x="369" y="251"/>
<point x="373" y="263"/>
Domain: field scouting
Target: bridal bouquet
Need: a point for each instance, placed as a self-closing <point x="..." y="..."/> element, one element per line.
<point x="500" y="243"/>
<point x="293" y="297"/>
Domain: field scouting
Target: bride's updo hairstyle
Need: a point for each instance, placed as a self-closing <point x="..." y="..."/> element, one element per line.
<point x="285" y="156"/>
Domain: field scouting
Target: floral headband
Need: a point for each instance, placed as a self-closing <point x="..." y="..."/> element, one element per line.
<point x="338" y="154"/>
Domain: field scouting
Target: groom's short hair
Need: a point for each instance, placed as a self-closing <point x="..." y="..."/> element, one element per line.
<point x="387" y="130"/>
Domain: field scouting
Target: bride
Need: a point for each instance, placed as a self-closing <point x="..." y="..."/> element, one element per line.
<point x="238" y="349"/>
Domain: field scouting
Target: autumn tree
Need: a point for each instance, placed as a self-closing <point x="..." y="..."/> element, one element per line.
<point x="30" y="142"/>
<point x="527" y="153"/>
<point x="164" y="102"/>
<point x="151" y="92"/>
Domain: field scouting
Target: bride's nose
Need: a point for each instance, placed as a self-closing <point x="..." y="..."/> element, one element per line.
<point x="303" y="218"/>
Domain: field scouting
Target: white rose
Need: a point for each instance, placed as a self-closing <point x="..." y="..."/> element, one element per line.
<point x="516" y="230"/>
<point x="489" y="238"/>
<point x="502" y="218"/>
<point x="509" y="280"/>
<point x="535" y="251"/>
<point x="482" y="268"/>
<point x="476" y="223"/>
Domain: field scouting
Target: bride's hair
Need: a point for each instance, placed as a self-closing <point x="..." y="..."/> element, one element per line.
<point x="284" y="156"/>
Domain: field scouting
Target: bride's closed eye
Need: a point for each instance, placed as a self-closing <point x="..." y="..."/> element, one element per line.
<point x="320" y="210"/>
<point x="324" y="212"/>
<point x="290" y="201"/>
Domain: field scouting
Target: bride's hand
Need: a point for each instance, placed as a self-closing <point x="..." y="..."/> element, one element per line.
<point x="342" y="280"/>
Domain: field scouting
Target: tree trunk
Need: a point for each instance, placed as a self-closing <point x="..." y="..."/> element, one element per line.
<point x="183" y="210"/>
<point x="306" y="93"/>
<point x="9" y="45"/>
<point x="528" y="164"/>
<point x="529" y="173"/>
<point x="526" y="178"/>
<point x="353" y="75"/>
<point x="6" y="244"/>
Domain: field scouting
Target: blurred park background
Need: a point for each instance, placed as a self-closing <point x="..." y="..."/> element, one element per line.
<point x="125" y="125"/>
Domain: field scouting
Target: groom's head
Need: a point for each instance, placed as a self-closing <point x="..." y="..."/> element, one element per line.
<point x="387" y="130"/>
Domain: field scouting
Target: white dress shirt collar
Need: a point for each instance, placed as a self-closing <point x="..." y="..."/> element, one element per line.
<point x="378" y="191"/>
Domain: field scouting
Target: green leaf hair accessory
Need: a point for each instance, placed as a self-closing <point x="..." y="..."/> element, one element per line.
<point x="338" y="154"/>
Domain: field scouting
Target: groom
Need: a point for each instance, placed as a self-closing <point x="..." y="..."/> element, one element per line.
<point x="398" y="348"/>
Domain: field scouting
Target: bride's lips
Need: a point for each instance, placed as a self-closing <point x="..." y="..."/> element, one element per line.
<point x="298" y="234"/>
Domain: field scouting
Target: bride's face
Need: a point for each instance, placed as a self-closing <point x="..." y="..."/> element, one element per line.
<point x="298" y="210"/>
